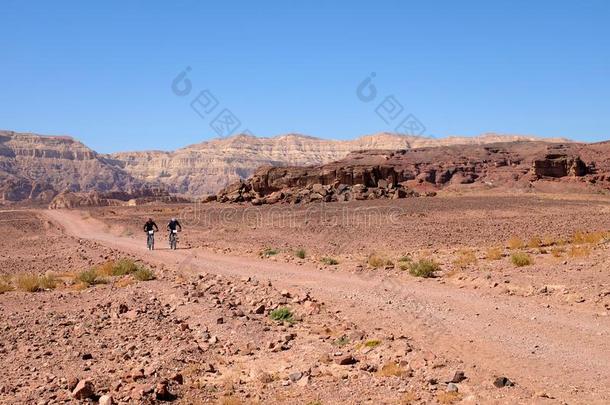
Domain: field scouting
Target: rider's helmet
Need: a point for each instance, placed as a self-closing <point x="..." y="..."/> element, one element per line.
<point x="173" y="219"/>
<point x="150" y="220"/>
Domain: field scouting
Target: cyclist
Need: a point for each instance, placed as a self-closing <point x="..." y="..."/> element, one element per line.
<point x="173" y="226"/>
<point x="150" y="227"/>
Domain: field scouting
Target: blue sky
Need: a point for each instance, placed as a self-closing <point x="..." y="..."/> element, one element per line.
<point x="103" y="71"/>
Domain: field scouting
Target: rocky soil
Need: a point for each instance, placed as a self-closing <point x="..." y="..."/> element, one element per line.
<point x="360" y="329"/>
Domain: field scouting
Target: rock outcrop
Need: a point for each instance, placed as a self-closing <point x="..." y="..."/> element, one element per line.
<point x="376" y="174"/>
<point x="207" y="167"/>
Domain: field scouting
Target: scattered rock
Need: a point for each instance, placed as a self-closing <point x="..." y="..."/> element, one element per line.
<point x="501" y="382"/>
<point x="83" y="390"/>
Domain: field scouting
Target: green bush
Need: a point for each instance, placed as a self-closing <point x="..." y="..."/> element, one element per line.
<point x="521" y="259"/>
<point x="144" y="274"/>
<point x="423" y="268"/>
<point x="89" y="277"/>
<point x="123" y="267"/>
<point x="300" y="253"/>
<point x="282" y="314"/>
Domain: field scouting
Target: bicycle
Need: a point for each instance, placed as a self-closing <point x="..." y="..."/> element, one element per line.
<point x="150" y="240"/>
<point x="173" y="239"/>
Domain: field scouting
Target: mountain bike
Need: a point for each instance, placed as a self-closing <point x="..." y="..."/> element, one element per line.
<point x="173" y="239"/>
<point x="150" y="240"/>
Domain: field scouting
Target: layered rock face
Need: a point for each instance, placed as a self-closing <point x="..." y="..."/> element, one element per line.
<point x="209" y="166"/>
<point x="403" y="173"/>
<point x="34" y="167"/>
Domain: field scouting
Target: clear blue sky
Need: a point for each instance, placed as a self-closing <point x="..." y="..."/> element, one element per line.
<point x="102" y="71"/>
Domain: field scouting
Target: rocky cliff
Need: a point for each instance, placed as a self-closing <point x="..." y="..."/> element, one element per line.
<point x="34" y="167"/>
<point x="209" y="166"/>
<point x="373" y="174"/>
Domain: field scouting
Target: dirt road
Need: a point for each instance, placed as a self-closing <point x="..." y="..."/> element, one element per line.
<point x="561" y="350"/>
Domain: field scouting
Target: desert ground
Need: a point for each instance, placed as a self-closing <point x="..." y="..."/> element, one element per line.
<point x="475" y="298"/>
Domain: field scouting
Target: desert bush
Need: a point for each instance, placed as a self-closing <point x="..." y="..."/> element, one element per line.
<point x="144" y="274"/>
<point x="89" y="277"/>
<point x="47" y="282"/>
<point x="446" y="398"/>
<point x="557" y="251"/>
<point x="494" y="253"/>
<point x="404" y="262"/>
<point x="267" y="252"/>
<point x="521" y="259"/>
<point x="424" y="268"/>
<point x="515" y="243"/>
<point x="282" y="314"/>
<point x="579" y="251"/>
<point x="581" y="237"/>
<point x="123" y="267"/>
<point x="372" y="343"/>
<point x="33" y="283"/>
<point x="391" y="369"/>
<point x="329" y="261"/>
<point x="5" y="284"/>
<point x="342" y="341"/>
<point x="534" y="242"/>
<point x="465" y="258"/>
<point x="300" y="253"/>
<point x="375" y="260"/>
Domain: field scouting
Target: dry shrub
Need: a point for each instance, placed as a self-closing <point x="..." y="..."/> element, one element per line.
<point x="521" y="259"/>
<point x="581" y="237"/>
<point x="465" y="258"/>
<point x="579" y="251"/>
<point x="494" y="253"/>
<point x="33" y="283"/>
<point x="106" y="269"/>
<point x="230" y="400"/>
<point x="534" y="242"/>
<point x="448" y="397"/>
<point x="548" y="240"/>
<point x="515" y="243"/>
<point x="391" y="369"/>
<point x="557" y="251"/>
<point x="376" y="260"/>
<point x="125" y="282"/>
<point x="5" y="284"/>
<point x="329" y="261"/>
<point x="409" y="398"/>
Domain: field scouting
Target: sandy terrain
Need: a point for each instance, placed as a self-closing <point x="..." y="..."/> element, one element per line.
<point x="197" y="331"/>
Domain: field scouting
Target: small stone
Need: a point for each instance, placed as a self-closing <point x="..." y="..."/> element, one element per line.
<point x="346" y="360"/>
<point x="451" y="387"/>
<point x="106" y="400"/>
<point x="458" y="377"/>
<point x="260" y="309"/>
<point x="84" y="389"/>
<point x="294" y="377"/>
<point x="220" y="320"/>
<point x="501" y="382"/>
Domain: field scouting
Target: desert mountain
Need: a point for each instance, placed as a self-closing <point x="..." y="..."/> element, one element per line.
<point x="34" y="167"/>
<point x="209" y="166"/>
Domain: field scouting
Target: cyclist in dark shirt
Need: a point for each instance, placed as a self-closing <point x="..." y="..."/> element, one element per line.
<point x="173" y="224"/>
<point x="150" y="225"/>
